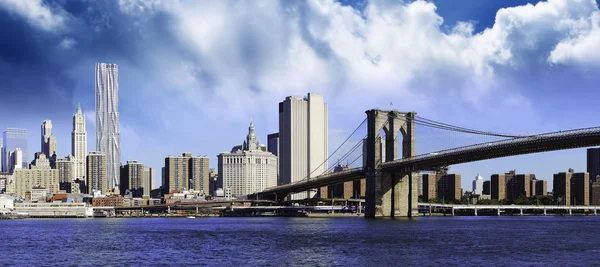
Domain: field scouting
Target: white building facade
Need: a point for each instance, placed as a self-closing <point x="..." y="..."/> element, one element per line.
<point x="108" y="134"/>
<point x="303" y="124"/>
<point x="248" y="168"/>
<point x="478" y="185"/>
<point x="79" y="144"/>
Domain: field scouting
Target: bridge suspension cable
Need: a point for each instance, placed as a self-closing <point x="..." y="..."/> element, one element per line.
<point x="336" y="150"/>
<point x="444" y="126"/>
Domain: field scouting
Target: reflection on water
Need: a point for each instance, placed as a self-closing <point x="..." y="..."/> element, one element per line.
<point x="302" y="241"/>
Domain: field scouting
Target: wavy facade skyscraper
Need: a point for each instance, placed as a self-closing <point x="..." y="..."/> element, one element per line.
<point x="108" y="134"/>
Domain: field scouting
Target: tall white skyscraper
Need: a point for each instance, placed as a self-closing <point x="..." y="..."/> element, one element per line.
<point x="478" y="185"/>
<point x="79" y="144"/>
<point x="108" y="136"/>
<point x="302" y="139"/>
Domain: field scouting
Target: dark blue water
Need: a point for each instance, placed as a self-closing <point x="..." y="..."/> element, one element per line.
<point x="510" y="241"/>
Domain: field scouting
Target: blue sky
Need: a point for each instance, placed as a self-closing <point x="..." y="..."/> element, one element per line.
<point x="193" y="74"/>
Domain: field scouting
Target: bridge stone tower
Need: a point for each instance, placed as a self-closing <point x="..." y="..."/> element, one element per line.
<point x="390" y="194"/>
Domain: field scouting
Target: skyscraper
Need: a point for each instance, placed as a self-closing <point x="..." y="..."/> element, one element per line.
<point x="108" y="137"/>
<point x="478" y="185"/>
<point x="48" y="144"/>
<point x="79" y="143"/>
<point x="148" y="180"/>
<point x="96" y="173"/>
<point x="15" y="138"/>
<point x="302" y="139"/>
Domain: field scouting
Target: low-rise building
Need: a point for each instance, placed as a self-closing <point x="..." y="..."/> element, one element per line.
<point x="39" y="175"/>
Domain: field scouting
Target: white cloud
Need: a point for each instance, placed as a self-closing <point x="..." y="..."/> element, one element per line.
<point x="244" y="58"/>
<point x="37" y="13"/>
<point x="67" y="43"/>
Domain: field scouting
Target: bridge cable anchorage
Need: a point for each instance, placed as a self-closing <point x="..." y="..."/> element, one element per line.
<point x="445" y="126"/>
<point x="336" y="150"/>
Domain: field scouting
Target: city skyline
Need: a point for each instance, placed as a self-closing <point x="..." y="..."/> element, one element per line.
<point x="519" y="88"/>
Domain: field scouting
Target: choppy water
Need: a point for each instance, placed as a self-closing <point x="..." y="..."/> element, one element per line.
<point x="427" y="241"/>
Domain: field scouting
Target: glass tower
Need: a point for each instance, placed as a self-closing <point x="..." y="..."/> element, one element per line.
<point x="14" y="138"/>
<point x="108" y="137"/>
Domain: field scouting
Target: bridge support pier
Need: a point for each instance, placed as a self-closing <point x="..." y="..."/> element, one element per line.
<point x="570" y="212"/>
<point x="544" y="211"/>
<point x="498" y="211"/>
<point x="392" y="193"/>
<point x="475" y="211"/>
<point x="595" y="212"/>
<point x="521" y="212"/>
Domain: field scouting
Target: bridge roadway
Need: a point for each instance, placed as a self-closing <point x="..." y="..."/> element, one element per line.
<point x="518" y="146"/>
<point x="429" y="207"/>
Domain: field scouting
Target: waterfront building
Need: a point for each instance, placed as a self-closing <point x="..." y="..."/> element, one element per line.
<point x="108" y="135"/>
<point x="448" y="188"/>
<point x="66" y="172"/>
<point x="132" y="178"/>
<point x="39" y="175"/>
<point x="96" y="173"/>
<point x="498" y="186"/>
<point x="199" y="174"/>
<point x="478" y="185"/>
<point x="213" y="177"/>
<point x="538" y="188"/>
<point x="79" y="144"/>
<point x="247" y="168"/>
<point x="15" y="138"/>
<point x="180" y="171"/>
<point x="595" y="193"/>
<point x="48" y="140"/>
<point x="303" y="128"/>
<point x="486" y="188"/>
<point x="430" y="181"/>
<point x="571" y="188"/>
<point x="148" y="180"/>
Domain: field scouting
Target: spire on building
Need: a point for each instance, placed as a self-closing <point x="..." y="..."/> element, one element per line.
<point x="78" y="109"/>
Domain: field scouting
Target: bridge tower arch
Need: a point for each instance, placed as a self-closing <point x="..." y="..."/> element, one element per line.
<point x="390" y="194"/>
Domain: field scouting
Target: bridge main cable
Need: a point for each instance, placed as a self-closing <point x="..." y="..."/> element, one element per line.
<point x="449" y="127"/>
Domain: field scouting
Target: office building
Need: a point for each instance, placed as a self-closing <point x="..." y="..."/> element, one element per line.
<point x="39" y="175"/>
<point x="182" y="171"/>
<point x="66" y="172"/>
<point x="273" y="147"/>
<point x="247" y="168"/>
<point x="96" y="173"/>
<point x="132" y="178"/>
<point x="571" y="188"/>
<point x="79" y="143"/>
<point x="148" y="180"/>
<point x="302" y="140"/>
<point x="15" y="160"/>
<point x="478" y="185"/>
<point x="15" y="138"/>
<point x="430" y="181"/>
<point x="108" y="137"/>
<point x="48" y="141"/>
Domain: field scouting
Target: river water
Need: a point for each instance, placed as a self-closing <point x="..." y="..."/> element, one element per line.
<point x="426" y="241"/>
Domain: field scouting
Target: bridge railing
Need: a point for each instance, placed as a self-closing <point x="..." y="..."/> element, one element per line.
<point x="583" y="131"/>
